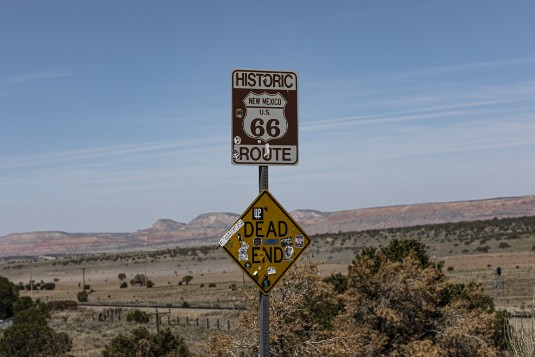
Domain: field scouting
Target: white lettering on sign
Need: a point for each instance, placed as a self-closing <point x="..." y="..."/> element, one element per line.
<point x="275" y="154"/>
<point x="236" y="227"/>
<point x="264" y="80"/>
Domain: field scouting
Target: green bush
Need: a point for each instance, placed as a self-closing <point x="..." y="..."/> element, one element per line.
<point x="142" y="343"/>
<point x="140" y="280"/>
<point x="34" y="340"/>
<point x="137" y="316"/>
<point x="503" y="245"/>
<point x="48" y="286"/>
<point x="82" y="296"/>
<point x="9" y="294"/>
<point x="29" y="335"/>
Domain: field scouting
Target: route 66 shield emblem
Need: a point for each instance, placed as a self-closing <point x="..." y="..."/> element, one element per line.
<point x="264" y="117"/>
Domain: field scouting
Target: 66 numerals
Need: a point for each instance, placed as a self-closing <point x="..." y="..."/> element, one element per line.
<point x="265" y="124"/>
<point x="260" y="128"/>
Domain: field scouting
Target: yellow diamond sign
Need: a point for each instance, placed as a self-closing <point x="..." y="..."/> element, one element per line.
<point x="265" y="241"/>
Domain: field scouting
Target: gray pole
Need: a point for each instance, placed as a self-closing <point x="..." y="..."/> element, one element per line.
<point x="263" y="312"/>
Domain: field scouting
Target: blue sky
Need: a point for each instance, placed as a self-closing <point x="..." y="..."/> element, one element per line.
<point x="115" y="114"/>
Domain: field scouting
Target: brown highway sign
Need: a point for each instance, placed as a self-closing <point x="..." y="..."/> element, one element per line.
<point x="264" y="117"/>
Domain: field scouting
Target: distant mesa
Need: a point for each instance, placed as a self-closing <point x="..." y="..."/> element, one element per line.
<point x="209" y="227"/>
<point x="166" y="225"/>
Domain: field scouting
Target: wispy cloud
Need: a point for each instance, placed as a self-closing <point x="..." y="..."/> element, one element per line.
<point x="434" y="112"/>
<point x="35" y="76"/>
<point x="462" y="67"/>
<point x="182" y="147"/>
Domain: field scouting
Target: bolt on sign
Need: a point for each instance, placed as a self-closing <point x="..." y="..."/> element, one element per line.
<point x="264" y="117"/>
<point x="265" y="241"/>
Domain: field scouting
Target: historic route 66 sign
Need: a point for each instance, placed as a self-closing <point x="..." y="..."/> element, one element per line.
<point x="264" y="117"/>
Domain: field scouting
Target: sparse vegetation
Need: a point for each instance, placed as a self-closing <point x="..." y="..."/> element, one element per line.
<point x="211" y="266"/>
<point x="387" y="290"/>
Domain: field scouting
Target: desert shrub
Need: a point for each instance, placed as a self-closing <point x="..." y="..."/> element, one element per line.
<point x="504" y="245"/>
<point x="142" y="343"/>
<point x="137" y="316"/>
<point x="30" y="335"/>
<point x="34" y="340"/>
<point x="140" y="280"/>
<point x="48" y="286"/>
<point x="484" y="249"/>
<point x="121" y="276"/>
<point x="338" y="281"/>
<point x="187" y="279"/>
<point x="9" y="294"/>
<point x="37" y="314"/>
<point x="123" y="285"/>
<point x="62" y="305"/>
<point x="82" y="296"/>
<point x="22" y="303"/>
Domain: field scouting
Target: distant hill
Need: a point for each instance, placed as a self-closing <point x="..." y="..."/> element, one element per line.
<point x="208" y="228"/>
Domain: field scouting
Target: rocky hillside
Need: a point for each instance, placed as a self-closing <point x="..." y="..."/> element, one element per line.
<point x="208" y="228"/>
<point x="412" y="215"/>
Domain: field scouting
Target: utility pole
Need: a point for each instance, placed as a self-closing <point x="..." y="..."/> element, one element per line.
<point x="31" y="285"/>
<point x="83" y="279"/>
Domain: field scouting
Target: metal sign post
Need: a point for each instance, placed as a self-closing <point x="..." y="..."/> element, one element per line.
<point x="263" y="313"/>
